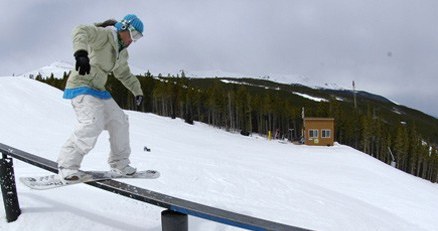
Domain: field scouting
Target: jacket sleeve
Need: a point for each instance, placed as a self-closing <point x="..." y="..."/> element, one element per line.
<point x="85" y="36"/>
<point x="123" y="73"/>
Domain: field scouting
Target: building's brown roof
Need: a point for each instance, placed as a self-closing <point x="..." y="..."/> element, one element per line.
<point x="317" y="118"/>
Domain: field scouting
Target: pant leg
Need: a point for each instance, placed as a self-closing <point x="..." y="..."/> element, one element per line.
<point x="90" y="115"/>
<point x="117" y="125"/>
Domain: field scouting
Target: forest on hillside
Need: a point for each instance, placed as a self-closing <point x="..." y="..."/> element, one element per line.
<point x="263" y="106"/>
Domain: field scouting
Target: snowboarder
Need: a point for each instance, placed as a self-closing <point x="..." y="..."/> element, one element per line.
<point x="98" y="51"/>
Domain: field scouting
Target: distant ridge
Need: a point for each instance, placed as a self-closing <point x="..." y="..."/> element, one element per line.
<point x="57" y="68"/>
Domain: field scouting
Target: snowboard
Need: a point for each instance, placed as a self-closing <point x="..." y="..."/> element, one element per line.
<point x="54" y="180"/>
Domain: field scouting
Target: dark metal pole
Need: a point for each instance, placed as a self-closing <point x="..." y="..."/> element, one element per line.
<point x="174" y="221"/>
<point x="9" y="191"/>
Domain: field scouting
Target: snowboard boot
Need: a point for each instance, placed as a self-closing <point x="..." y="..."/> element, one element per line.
<point x="125" y="171"/>
<point x="70" y="175"/>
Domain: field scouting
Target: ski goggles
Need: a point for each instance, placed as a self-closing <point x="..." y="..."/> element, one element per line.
<point x="135" y="35"/>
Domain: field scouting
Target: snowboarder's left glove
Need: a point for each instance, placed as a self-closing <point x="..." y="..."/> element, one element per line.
<point x="82" y="62"/>
<point x="138" y="100"/>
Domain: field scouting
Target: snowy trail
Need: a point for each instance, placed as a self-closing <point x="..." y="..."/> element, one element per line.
<point x="321" y="188"/>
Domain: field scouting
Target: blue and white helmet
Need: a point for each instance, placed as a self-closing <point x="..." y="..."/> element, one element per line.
<point x="128" y="22"/>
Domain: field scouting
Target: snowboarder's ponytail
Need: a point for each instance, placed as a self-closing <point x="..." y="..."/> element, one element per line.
<point x="109" y="22"/>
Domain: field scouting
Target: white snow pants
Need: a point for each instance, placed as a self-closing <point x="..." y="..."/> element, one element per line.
<point x="95" y="115"/>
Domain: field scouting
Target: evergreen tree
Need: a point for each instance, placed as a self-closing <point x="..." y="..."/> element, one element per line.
<point x="401" y="147"/>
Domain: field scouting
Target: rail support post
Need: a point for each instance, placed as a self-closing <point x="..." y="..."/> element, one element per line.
<point x="9" y="191"/>
<point x="174" y="221"/>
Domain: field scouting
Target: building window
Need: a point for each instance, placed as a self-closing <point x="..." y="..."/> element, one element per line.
<point x="313" y="133"/>
<point x="325" y="133"/>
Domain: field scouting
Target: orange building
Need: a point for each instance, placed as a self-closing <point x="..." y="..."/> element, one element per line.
<point x="319" y="131"/>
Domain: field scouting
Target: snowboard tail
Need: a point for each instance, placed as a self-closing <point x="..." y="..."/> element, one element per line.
<point x="55" y="181"/>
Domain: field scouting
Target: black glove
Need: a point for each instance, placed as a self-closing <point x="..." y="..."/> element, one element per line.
<point x="82" y="62"/>
<point x="139" y="100"/>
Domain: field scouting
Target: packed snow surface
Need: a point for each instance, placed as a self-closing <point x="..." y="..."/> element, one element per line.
<point x="317" y="99"/>
<point x="320" y="188"/>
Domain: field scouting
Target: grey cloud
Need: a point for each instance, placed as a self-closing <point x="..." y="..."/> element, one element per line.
<point x="387" y="47"/>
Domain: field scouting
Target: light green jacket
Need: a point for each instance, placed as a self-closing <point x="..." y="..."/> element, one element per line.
<point x="103" y="50"/>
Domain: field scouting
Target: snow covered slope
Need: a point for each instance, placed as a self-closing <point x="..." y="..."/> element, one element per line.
<point x="321" y="188"/>
<point x="59" y="67"/>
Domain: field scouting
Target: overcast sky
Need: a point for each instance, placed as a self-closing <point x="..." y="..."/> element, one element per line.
<point x="388" y="47"/>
